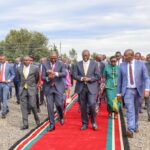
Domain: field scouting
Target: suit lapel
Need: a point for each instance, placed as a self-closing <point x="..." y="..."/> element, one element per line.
<point x="56" y="66"/>
<point x="30" y="71"/>
<point x="82" y="68"/>
<point x="89" y="67"/>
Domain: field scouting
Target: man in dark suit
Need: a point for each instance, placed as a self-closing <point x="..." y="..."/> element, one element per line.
<point x="16" y="79"/>
<point x="53" y="75"/>
<point x="132" y="79"/>
<point x="148" y="98"/>
<point x="28" y="77"/>
<point x="87" y="74"/>
<point x="6" y="77"/>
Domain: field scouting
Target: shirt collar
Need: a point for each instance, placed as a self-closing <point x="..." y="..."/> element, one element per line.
<point x="87" y="62"/>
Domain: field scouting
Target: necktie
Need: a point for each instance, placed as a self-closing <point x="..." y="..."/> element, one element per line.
<point x="52" y="66"/>
<point x="25" y="73"/>
<point x="131" y="74"/>
<point x="2" y="72"/>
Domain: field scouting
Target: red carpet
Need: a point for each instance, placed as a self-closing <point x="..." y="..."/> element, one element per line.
<point x="69" y="136"/>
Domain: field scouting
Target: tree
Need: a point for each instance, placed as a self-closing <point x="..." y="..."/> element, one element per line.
<point x="93" y="56"/>
<point x="73" y="55"/>
<point x="23" y="42"/>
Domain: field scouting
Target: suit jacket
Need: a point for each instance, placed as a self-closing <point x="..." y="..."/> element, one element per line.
<point x="93" y="73"/>
<point x="31" y="80"/>
<point x="141" y="77"/>
<point x="148" y="69"/>
<point x="59" y="81"/>
<point x="9" y="72"/>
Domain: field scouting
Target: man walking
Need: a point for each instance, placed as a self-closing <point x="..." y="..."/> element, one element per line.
<point x="53" y="75"/>
<point x="28" y="77"/>
<point x="87" y="74"/>
<point x="132" y="79"/>
<point x="6" y="77"/>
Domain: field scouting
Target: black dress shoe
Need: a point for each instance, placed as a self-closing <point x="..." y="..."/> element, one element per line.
<point x="24" y="127"/>
<point x="84" y="127"/>
<point x="3" y="116"/>
<point x="18" y="102"/>
<point x="51" y="128"/>
<point x="94" y="126"/>
<point x="62" y="121"/>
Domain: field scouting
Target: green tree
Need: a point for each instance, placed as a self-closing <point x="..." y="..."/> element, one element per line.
<point x="23" y="42"/>
<point x="93" y="56"/>
<point x="73" y="55"/>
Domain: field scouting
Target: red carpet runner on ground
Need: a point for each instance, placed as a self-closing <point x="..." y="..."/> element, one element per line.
<point x="69" y="137"/>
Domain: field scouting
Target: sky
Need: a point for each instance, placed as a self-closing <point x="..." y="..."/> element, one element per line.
<point x="101" y="26"/>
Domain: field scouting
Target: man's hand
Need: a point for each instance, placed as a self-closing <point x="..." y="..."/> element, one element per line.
<point x="146" y="94"/>
<point x="6" y="81"/>
<point x="86" y="79"/>
<point x="119" y="98"/>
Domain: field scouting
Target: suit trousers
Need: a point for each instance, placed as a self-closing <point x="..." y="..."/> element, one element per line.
<point x="132" y="100"/>
<point x="87" y="100"/>
<point x="4" y="92"/>
<point x="148" y="106"/>
<point x="28" y="100"/>
<point x="54" y="97"/>
<point x="16" y="84"/>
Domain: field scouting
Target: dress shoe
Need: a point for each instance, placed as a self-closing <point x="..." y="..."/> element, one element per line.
<point x="62" y="121"/>
<point x="51" y="128"/>
<point x="137" y="131"/>
<point x="84" y="127"/>
<point x="7" y="111"/>
<point x="24" y="127"/>
<point x="3" y="116"/>
<point x="94" y="126"/>
<point x="129" y="134"/>
<point x="18" y="102"/>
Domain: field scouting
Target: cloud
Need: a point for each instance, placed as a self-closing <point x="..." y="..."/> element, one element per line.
<point x="82" y="24"/>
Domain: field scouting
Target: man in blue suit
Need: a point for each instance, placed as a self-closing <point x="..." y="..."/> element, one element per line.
<point x="53" y="74"/>
<point x="132" y="74"/>
<point x="87" y="74"/>
<point x="6" y="77"/>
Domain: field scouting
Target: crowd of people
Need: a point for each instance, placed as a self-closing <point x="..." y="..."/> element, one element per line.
<point x="123" y="81"/>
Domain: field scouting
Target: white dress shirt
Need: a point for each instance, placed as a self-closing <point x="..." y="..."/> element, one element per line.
<point x="86" y="66"/>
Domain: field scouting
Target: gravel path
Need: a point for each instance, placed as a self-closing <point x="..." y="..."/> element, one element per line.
<point x="141" y="140"/>
<point x="10" y="128"/>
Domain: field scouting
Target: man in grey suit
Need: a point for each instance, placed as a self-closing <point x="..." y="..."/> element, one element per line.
<point x="53" y="74"/>
<point x="148" y="98"/>
<point x="132" y="79"/>
<point x="28" y="77"/>
<point x="87" y="74"/>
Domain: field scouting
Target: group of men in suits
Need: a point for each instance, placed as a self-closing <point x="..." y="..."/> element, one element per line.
<point x="132" y="81"/>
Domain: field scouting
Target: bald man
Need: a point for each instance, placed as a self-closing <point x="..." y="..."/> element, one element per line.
<point x="87" y="74"/>
<point x="53" y="74"/>
<point x="132" y="79"/>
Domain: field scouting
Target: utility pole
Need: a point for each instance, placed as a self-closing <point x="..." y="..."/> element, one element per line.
<point x="60" y="48"/>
